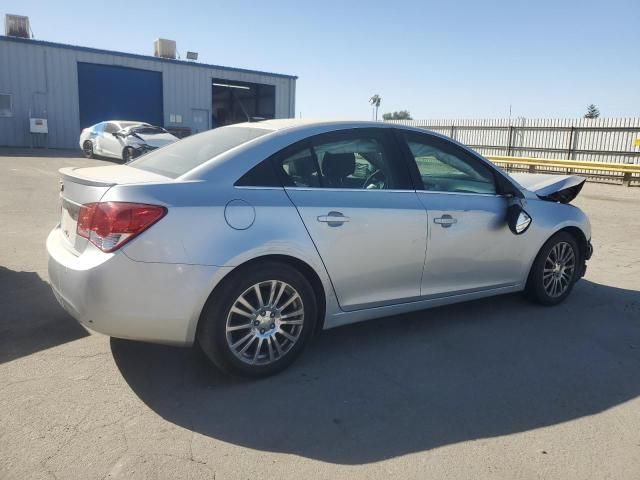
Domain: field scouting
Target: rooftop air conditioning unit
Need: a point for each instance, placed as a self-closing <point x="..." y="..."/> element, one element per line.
<point x="164" y="48"/>
<point x="16" y="26"/>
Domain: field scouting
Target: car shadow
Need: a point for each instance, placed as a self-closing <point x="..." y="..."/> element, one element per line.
<point x="31" y="318"/>
<point x="393" y="386"/>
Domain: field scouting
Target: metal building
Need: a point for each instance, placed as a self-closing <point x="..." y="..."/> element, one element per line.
<point x="50" y="91"/>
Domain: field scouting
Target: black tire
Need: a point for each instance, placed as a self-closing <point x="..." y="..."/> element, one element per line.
<point x="212" y="332"/>
<point x="128" y="154"/>
<point x="539" y="282"/>
<point x="87" y="149"/>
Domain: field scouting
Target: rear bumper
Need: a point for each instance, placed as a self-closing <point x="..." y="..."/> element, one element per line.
<point x="114" y="295"/>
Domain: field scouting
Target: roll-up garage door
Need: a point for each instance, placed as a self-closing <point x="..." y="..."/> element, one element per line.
<point x="108" y="92"/>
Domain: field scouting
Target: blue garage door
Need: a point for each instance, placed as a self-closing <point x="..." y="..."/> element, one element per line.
<point x="118" y="93"/>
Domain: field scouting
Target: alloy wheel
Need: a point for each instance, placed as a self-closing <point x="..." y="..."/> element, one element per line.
<point x="88" y="149"/>
<point x="265" y="322"/>
<point x="559" y="269"/>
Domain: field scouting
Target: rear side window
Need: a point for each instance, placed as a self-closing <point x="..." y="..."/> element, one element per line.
<point x="355" y="159"/>
<point x="180" y="157"/>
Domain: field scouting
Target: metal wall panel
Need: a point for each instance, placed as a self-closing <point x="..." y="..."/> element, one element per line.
<point x="42" y="78"/>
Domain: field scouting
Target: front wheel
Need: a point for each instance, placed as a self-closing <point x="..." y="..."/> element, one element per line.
<point x="554" y="271"/>
<point x="259" y="320"/>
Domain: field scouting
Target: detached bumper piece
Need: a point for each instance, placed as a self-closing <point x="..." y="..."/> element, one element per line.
<point x="589" y="250"/>
<point x="583" y="268"/>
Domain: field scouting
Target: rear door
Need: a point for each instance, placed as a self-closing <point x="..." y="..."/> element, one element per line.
<point x="353" y="192"/>
<point x="470" y="246"/>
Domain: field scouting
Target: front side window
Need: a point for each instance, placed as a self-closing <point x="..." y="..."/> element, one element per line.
<point x="354" y="160"/>
<point x="444" y="167"/>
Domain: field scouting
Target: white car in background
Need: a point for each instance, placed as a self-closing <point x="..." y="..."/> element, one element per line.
<point x="124" y="140"/>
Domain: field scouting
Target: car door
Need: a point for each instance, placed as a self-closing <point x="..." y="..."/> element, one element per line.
<point x="109" y="144"/>
<point x="95" y="133"/>
<point x="469" y="247"/>
<point x="353" y="192"/>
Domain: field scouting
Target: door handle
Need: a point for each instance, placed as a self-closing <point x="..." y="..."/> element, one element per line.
<point x="334" y="219"/>
<point x="445" y="221"/>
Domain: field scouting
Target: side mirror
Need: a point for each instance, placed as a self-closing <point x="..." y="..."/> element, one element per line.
<point x="517" y="219"/>
<point x="115" y="134"/>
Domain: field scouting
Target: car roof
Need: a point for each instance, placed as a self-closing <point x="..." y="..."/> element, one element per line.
<point x="138" y="122"/>
<point x="311" y="126"/>
<point x="289" y="123"/>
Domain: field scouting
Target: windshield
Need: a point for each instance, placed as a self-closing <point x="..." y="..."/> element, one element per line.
<point x="129" y="124"/>
<point x="180" y="157"/>
<point x="145" y="130"/>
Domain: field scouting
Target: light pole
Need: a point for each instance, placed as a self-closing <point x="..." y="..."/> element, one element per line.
<point x="375" y="103"/>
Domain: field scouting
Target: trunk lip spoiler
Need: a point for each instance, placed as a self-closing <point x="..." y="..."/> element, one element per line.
<point x="68" y="173"/>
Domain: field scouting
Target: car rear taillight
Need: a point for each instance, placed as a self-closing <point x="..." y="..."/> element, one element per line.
<point x="109" y="225"/>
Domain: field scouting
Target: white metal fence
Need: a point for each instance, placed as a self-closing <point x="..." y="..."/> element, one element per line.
<point x="601" y="139"/>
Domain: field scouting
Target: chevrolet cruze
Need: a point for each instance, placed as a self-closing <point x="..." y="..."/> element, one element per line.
<point x="249" y="238"/>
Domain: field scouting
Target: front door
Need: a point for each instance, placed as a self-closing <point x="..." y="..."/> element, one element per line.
<point x="354" y="194"/>
<point x="470" y="247"/>
<point x="109" y="144"/>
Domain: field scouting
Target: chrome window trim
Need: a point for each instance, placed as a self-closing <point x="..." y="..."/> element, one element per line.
<point x="390" y="191"/>
<point x="462" y="193"/>
<point x="256" y="187"/>
<point x="349" y="189"/>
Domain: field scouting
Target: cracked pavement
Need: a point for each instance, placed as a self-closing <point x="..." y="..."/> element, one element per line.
<point x="496" y="388"/>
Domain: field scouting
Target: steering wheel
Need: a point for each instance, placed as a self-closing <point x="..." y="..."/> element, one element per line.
<point x="376" y="180"/>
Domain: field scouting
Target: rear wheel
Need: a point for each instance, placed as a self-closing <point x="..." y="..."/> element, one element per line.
<point x="259" y="320"/>
<point x="87" y="149"/>
<point x="555" y="270"/>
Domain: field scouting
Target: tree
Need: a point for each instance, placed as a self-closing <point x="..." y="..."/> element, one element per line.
<point x="401" y="115"/>
<point x="375" y="103"/>
<point x="592" y="112"/>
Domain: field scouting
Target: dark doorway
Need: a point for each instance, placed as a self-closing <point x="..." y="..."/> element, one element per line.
<point x="235" y="102"/>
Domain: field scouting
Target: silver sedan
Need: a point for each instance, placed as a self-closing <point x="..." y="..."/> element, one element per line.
<point x="247" y="239"/>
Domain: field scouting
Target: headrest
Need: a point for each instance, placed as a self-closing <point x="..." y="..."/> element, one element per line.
<point x="302" y="167"/>
<point x="338" y="165"/>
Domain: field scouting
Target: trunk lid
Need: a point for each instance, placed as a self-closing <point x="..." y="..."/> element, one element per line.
<point x="555" y="188"/>
<point x="79" y="186"/>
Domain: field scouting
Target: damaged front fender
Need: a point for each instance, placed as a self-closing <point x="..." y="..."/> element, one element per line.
<point x="554" y="188"/>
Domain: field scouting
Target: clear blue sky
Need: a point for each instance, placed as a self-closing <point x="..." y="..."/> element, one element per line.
<point x="438" y="59"/>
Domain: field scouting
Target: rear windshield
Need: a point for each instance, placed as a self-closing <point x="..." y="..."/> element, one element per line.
<point x="178" y="158"/>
